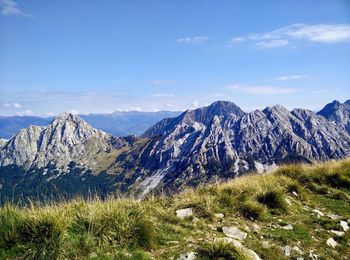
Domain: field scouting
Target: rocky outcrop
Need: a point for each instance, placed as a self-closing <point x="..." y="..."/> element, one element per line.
<point x="67" y="138"/>
<point x="338" y="113"/>
<point x="208" y="144"/>
<point x="222" y="137"/>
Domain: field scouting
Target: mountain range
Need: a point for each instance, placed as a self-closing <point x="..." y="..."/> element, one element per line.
<point x="120" y="123"/>
<point x="68" y="157"/>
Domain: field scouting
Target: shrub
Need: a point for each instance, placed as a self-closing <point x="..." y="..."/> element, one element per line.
<point x="252" y="210"/>
<point x="220" y="250"/>
<point x="273" y="199"/>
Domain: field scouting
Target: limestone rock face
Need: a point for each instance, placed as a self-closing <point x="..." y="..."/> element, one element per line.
<point x="67" y="138"/>
<point x="223" y="138"/>
<point x="338" y="113"/>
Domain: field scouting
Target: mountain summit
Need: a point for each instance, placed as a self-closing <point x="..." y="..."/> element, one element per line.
<point x="338" y="112"/>
<point x="67" y="138"/>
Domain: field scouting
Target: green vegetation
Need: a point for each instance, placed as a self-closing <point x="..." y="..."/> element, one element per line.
<point x="124" y="228"/>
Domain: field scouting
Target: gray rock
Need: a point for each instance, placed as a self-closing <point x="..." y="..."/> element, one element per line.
<point x="333" y="216"/>
<point x="338" y="233"/>
<point x="344" y="225"/>
<point x="287" y="250"/>
<point x="234" y="232"/>
<point x="288" y="227"/>
<point x="331" y="242"/>
<point x="318" y="212"/>
<point x="250" y="254"/>
<point x="219" y="215"/>
<point x="184" y="213"/>
<point x="187" y="256"/>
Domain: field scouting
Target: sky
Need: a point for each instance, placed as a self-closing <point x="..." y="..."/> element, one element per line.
<point x="96" y="56"/>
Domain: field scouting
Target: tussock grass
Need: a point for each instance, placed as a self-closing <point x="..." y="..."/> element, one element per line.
<point x="220" y="250"/>
<point x="124" y="228"/>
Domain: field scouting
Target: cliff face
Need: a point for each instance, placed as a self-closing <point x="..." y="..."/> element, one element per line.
<point x="199" y="146"/>
<point x="67" y="138"/>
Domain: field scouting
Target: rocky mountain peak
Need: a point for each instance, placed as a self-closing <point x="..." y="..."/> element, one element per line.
<point x="330" y="108"/>
<point x="338" y="113"/>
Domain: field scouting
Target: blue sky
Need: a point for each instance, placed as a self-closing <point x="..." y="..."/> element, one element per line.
<point x="102" y="56"/>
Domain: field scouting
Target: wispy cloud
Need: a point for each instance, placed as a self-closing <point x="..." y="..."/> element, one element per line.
<point x="272" y="43"/>
<point x="161" y="82"/>
<point x="262" y="90"/>
<point x="13" y="105"/>
<point x="197" y="40"/>
<point x="293" y="77"/>
<point x="322" y="33"/>
<point x="10" y="7"/>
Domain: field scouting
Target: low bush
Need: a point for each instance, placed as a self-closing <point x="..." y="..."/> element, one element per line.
<point x="252" y="210"/>
<point x="220" y="250"/>
<point x="273" y="199"/>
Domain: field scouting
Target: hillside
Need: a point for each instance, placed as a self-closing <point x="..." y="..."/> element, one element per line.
<point x="295" y="212"/>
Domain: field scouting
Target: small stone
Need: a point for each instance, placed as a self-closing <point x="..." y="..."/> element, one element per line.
<point x="318" y="212"/>
<point x="265" y="244"/>
<point x="92" y="255"/>
<point x="295" y="193"/>
<point x="288" y="227"/>
<point x="344" y="225"/>
<point x="287" y="250"/>
<point x="313" y="256"/>
<point x="219" y="215"/>
<point x="212" y="227"/>
<point x="256" y="228"/>
<point x="297" y="249"/>
<point x="234" y="232"/>
<point x="333" y="216"/>
<point x="184" y="213"/>
<point x="188" y="256"/>
<point x="331" y="242"/>
<point x="338" y="233"/>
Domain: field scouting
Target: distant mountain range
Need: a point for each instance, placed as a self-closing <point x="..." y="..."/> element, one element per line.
<point x="116" y="124"/>
<point x="204" y="145"/>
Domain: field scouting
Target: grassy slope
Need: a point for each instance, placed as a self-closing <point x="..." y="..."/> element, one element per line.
<point x="130" y="229"/>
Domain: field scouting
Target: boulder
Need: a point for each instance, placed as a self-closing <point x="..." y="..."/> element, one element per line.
<point x="288" y="227"/>
<point x="287" y="250"/>
<point x="331" y="242"/>
<point x="338" y="233"/>
<point x="184" y="213"/>
<point x="344" y="225"/>
<point x="234" y="232"/>
<point x="187" y="256"/>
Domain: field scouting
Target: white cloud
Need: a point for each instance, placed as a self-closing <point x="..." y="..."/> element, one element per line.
<point x="262" y="90"/>
<point x="13" y="105"/>
<point x="25" y="113"/>
<point x="272" y="43"/>
<point x="193" y="40"/>
<point x="161" y="82"/>
<point x="74" y="111"/>
<point x="322" y="33"/>
<point x="293" y="77"/>
<point x="17" y="105"/>
<point x="9" y="7"/>
<point x="195" y="104"/>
